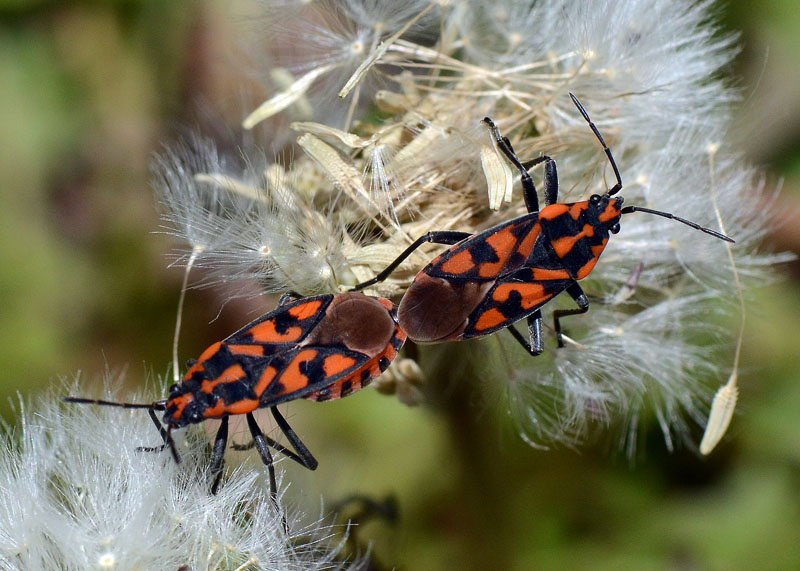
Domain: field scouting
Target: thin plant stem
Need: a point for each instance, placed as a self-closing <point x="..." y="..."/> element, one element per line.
<point x="176" y="376"/>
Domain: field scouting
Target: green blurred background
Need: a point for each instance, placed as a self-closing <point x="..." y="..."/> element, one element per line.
<point x="89" y="90"/>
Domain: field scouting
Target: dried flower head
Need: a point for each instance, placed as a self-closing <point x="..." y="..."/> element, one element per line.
<point x="368" y="183"/>
<point x="75" y="494"/>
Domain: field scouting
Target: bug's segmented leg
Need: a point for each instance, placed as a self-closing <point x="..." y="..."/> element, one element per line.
<point x="528" y="188"/>
<point x="536" y="345"/>
<point x="446" y="237"/>
<point x="576" y="292"/>
<point x="266" y="457"/>
<point x="304" y="456"/>
<point x="550" y="177"/>
<point x="275" y="445"/>
<point x="217" y="454"/>
<point x="262" y="443"/>
<point x="263" y="451"/>
<point x="165" y="436"/>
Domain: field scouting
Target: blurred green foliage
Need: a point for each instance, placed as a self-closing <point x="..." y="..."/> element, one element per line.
<point x="89" y="90"/>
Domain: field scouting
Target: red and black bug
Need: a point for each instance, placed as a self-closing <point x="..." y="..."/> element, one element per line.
<point x="488" y="281"/>
<point x="318" y="348"/>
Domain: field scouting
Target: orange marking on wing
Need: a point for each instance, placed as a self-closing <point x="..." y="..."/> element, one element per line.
<point x="265" y="332"/>
<point x="335" y="364"/>
<point x="216" y="411"/>
<point x="490" y="318"/>
<point x="334" y="390"/>
<point x="577" y="209"/>
<point x="242" y="406"/>
<point x="252" y="350"/>
<point x="553" y="211"/>
<point x="526" y="244"/>
<point x="587" y="268"/>
<point x="222" y="408"/>
<point x="563" y="245"/>
<point x="305" y="310"/>
<point x="502" y="243"/>
<point x="597" y="250"/>
<point x="229" y="375"/>
<point x="264" y="381"/>
<point x="531" y="293"/>
<point x="292" y="379"/>
<point x="541" y="274"/>
<point x="459" y="263"/>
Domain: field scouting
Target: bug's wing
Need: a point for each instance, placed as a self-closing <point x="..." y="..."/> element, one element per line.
<point x="281" y="328"/>
<point x="238" y="382"/>
<point x="303" y="370"/>
<point x="510" y="300"/>
<point x="485" y="256"/>
<point x="438" y="304"/>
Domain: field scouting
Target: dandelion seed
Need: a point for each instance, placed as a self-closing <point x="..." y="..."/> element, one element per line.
<point x="722" y="408"/>
<point x="351" y="140"/>
<point x="282" y="100"/>
<point x="379" y="52"/>
<point x="724" y="402"/>
<point x="499" y="178"/>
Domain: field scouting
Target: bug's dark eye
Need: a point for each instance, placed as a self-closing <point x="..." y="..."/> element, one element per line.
<point x="614" y="229"/>
<point x="594" y="200"/>
<point x="174" y="389"/>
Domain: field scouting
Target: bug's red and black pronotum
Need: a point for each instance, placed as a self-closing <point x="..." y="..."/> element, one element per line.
<point x="488" y="281"/>
<point x="319" y="348"/>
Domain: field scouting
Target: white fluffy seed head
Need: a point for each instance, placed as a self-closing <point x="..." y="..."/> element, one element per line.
<point x="75" y="494"/>
<point x="361" y="190"/>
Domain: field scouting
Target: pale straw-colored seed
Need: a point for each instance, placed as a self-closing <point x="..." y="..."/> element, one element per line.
<point x="499" y="178"/>
<point x="231" y="185"/>
<point x="349" y="139"/>
<point x="282" y="100"/>
<point x="722" y="408"/>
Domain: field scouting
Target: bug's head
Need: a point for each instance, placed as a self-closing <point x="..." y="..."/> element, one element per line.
<point x="610" y="208"/>
<point x="182" y="408"/>
<point x="603" y="211"/>
<point x="186" y="402"/>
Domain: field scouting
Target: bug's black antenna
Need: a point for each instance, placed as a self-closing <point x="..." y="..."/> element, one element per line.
<point x="151" y="408"/>
<point x="158" y="405"/>
<point x="629" y="209"/>
<point x="617" y="187"/>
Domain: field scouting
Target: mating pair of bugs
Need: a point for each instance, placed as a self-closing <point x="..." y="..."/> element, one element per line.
<point x="329" y="346"/>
